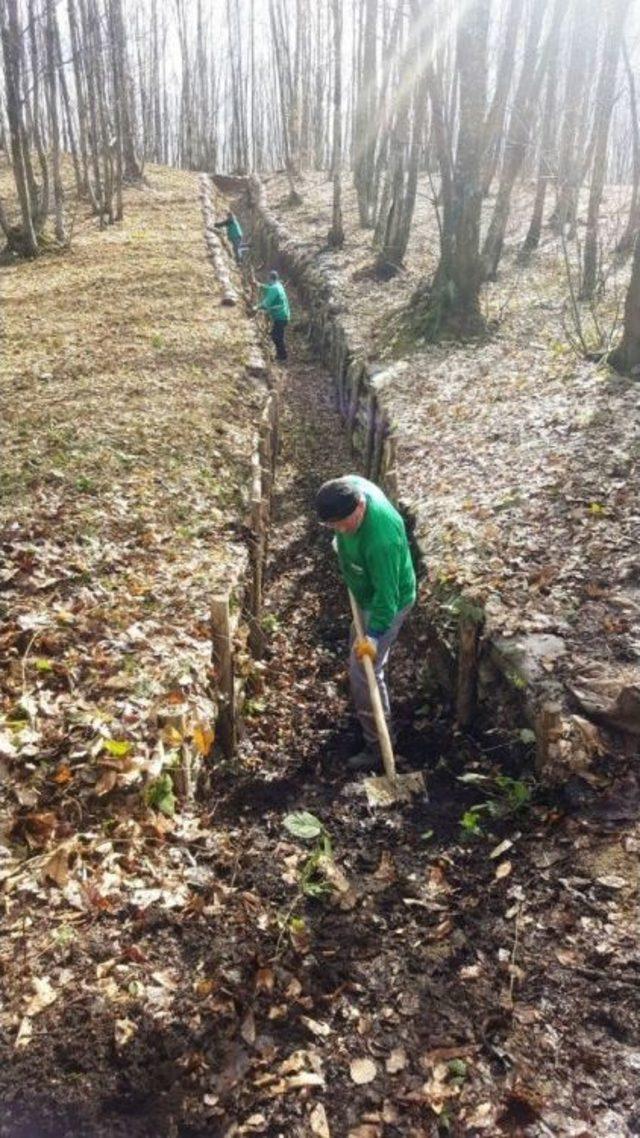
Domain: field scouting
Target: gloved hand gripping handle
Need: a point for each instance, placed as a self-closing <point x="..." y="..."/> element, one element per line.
<point x="376" y="703"/>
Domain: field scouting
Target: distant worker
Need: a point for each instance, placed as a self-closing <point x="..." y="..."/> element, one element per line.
<point x="275" y="303"/>
<point x="375" y="561"/>
<point x="234" y="232"/>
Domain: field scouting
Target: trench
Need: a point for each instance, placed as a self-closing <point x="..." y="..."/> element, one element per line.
<point x="411" y="961"/>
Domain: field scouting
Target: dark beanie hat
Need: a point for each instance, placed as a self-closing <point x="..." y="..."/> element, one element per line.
<point x="336" y="500"/>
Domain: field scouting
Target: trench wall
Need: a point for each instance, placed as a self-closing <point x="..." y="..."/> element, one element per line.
<point x="488" y="681"/>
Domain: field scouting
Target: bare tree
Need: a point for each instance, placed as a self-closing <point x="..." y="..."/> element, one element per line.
<point x="54" y="123"/>
<point x="576" y="94"/>
<point x="632" y="228"/>
<point x="123" y="94"/>
<point x="453" y="300"/>
<point x="494" y="129"/>
<point x="336" y="233"/>
<point x="365" y="124"/>
<point x="626" y="357"/>
<point x="23" y="239"/>
<point x="547" y="159"/>
<point x="605" y="96"/>
<point x="406" y="145"/>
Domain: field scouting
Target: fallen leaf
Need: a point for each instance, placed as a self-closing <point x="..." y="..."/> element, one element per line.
<point x="25" y="1031"/>
<point x="38" y="828"/>
<point x="248" y="1029"/>
<point x="503" y="870"/>
<point x="386" y="870"/>
<point x="502" y="848"/>
<point x="117" y="747"/>
<point x="316" y="1026"/>
<point x="305" y="1079"/>
<point x="363" y="1071"/>
<point x="296" y="1062"/>
<point x="318" y="1121"/>
<point x="338" y="880"/>
<point x="63" y="775"/>
<point x="107" y="781"/>
<point x="441" y="930"/>
<point x="43" y="997"/>
<point x="470" y="972"/>
<point x="612" y="881"/>
<point x="566" y="956"/>
<point x="56" y="867"/>
<point x="254" y="1122"/>
<point x="203" y="739"/>
<point x="124" y="1030"/>
<point x="397" y="1061"/>
<point x="264" y="980"/>
<point x="482" y="1117"/>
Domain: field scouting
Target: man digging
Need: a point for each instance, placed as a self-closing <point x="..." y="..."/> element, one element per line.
<point x="375" y="562"/>
<point x="275" y="303"/>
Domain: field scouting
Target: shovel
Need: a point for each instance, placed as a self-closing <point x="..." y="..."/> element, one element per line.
<point x="383" y="790"/>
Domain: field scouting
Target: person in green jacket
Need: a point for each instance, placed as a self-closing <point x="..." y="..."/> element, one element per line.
<point x="375" y="561"/>
<point x="234" y="232"/>
<point x="275" y="303"/>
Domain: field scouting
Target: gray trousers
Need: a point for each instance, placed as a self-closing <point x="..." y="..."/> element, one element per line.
<point x="358" y="678"/>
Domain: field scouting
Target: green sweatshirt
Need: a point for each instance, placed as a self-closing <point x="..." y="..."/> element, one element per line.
<point x="275" y="301"/>
<point x="375" y="561"/>
<point x="234" y="232"/>
<point x="232" y="226"/>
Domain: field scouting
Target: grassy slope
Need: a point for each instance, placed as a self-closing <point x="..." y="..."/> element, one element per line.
<point x="126" y="441"/>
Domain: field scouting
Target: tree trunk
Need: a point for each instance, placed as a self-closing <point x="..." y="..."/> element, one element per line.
<point x="626" y="242"/>
<point x="25" y="241"/>
<point x="71" y="134"/>
<point x="336" y="233"/>
<point x="605" y="98"/>
<point x="82" y="105"/>
<point x="406" y="144"/>
<point x="546" y="164"/>
<point x="454" y="299"/>
<point x="54" y="123"/>
<point x="497" y="112"/>
<point x="87" y="53"/>
<point x="570" y="158"/>
<point x="132" y="171"/>
<point x="517" y="137"/>
<point x="626" y="357"/>
<point x="39" y="197"/>
<point x="365" y="127"/>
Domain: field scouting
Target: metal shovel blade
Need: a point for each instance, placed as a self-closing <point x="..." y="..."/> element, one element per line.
<point x="383" y="791"/>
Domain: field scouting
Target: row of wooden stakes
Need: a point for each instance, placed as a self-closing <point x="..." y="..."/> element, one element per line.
<point x="226" y="610"/>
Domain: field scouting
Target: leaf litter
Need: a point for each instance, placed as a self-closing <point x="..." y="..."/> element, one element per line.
<point x="182" y="944"/>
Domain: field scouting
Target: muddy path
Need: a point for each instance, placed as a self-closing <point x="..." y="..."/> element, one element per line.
<point x="445" y="984"/>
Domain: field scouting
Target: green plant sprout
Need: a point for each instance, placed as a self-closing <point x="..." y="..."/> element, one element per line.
<point x="308" y="828"/>
<point x="505" y="797"/>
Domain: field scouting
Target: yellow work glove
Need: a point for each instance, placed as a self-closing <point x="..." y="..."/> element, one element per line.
<point x="366" y="646"/>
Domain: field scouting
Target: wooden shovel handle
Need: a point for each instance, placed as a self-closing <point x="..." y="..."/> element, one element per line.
<point x="376" y="702"/>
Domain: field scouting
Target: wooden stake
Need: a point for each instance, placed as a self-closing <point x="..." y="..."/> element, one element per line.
<point x="222" y="660"/>
<point x="467" y="684"/>
<point x="256" y="637"/>
<point x="548" y="730"/>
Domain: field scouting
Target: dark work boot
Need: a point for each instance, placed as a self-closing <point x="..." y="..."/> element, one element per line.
<point x="365" y="760"/>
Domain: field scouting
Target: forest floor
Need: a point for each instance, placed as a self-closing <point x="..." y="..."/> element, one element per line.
<point x="192" y="974"/>
<point x="519" y="460"/>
